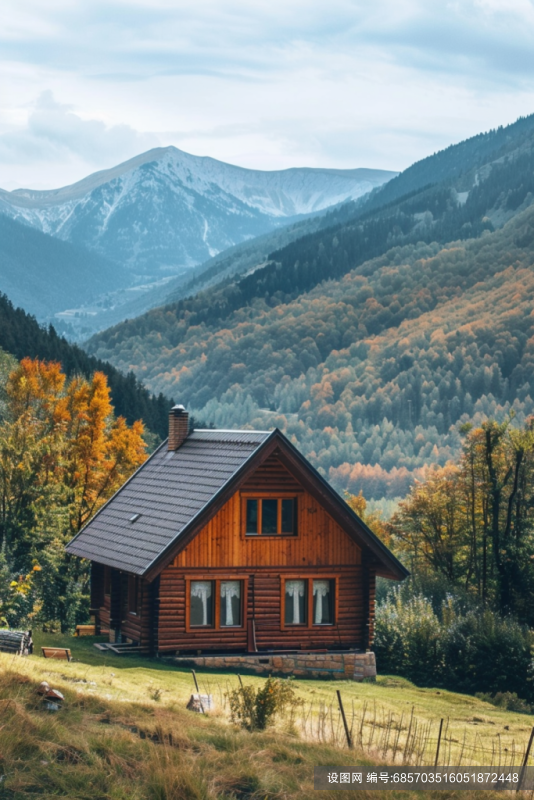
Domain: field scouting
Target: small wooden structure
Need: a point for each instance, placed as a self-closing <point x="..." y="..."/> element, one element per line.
<point x="63" y="653"/>
<point x="231" y="542"/>
<point x="85" y="630"/>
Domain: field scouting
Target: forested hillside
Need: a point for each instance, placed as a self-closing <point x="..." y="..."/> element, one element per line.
<point x="45" y="275"/>
<point x="377" y="368"/>
<point x="457" y="161"/>
<point x="371" y="341"/>
<point x="23" y="337"/>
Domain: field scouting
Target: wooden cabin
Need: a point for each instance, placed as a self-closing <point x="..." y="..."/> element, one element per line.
<point x="231" y="542"/>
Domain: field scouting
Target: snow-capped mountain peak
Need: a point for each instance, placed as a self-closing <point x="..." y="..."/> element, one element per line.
<point x="166" y="209"/>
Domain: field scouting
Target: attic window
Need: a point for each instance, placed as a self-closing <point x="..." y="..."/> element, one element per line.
<point x="270" y="516"/>
<point x="135" y="517"/>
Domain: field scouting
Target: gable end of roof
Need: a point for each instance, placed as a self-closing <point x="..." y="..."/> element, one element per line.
<point x="174" y="494"/>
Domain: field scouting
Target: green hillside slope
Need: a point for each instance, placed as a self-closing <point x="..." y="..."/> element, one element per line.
<point x="45" y="275"/>
<point x="308" y="341"/>
<point x="124" y="732"/>
<point x="377" y="368"/>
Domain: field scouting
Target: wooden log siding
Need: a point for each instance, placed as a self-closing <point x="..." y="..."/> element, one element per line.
<point x="137" y="627"/>
<point x="272" y="476"/>
<point x="134" y="627"/>
<point x="319" y="542"/>
<point x="320" y="548"/>
<point x="115" y="600"/>
<point x="105" y="612"/>
<point x="264" y="595"/>
<point x="97" y="584"/>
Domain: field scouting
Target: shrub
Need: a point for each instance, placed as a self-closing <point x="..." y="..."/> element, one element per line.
<point x="407" y="638"/>
<point x="254" y="709"/>
<point x="485" y="652"/>
<point x="463" y="649"/>
<point x="507" y="700"/>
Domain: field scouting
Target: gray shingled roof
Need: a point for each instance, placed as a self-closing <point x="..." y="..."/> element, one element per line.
<point x="168" y="492"/>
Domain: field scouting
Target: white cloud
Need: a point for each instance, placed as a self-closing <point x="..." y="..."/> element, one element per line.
<point x="521" y="8"/>
<point x="55" y="136"/>
<point x="54" y="131"/>
<point x="266" y="84"/>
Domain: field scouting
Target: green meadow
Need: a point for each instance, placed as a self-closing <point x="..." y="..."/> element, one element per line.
<point x="124" y="731"/>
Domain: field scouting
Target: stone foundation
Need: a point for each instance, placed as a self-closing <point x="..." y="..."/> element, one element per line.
<point x="338" y="665"/>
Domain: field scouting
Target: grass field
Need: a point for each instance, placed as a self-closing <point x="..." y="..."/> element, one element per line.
<point x="111" y="739"/>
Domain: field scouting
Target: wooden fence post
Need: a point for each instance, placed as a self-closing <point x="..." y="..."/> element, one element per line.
<point x="439" y="742"/>
<point x="408" y="737"/>
<point x="525" y="761"/>
<point x="347" y="732"/>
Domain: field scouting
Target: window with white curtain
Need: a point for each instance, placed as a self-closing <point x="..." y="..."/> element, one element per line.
<point x="323" y="602"/>
<point x="295" y="602"/>
<point x="201" y="605"/>
<point x="230" y="604"/>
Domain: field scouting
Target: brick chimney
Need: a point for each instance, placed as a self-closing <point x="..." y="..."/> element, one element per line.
<point x="178" y="427"/>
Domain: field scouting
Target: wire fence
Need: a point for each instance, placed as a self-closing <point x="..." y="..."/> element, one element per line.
<point x="409" y="739"/>
<point x="397" y="738"/>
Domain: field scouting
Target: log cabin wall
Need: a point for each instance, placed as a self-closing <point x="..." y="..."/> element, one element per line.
<point x="263" y="597"/>
<point x="321" y="549"/>
<point x="97" y="585"/>
<point x="115" y="602"/>
<point x="110" y="599"/>
<point x="100" y="599"/>
<point x="105" y="607"/>
<point x="136" y="625"/>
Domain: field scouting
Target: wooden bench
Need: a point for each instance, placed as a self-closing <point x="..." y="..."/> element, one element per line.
<point x="85" y="630"/>
<point x="57" y="652"/>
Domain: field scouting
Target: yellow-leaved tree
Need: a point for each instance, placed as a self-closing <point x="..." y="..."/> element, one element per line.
<point x="373" y="520"/>
<point x="63" y="453"/>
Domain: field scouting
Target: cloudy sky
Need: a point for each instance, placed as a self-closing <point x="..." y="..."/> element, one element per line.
<point x="267" y="84"/>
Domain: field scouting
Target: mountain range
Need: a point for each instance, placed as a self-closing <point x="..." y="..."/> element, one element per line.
<point x="369" y="341"/>
<point x="166" y="211"/>
<point x="369" y="331"/>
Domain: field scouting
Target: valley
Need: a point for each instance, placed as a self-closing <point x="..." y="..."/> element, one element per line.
<point x="370" y="341"/>
<point x="162" y="213"/>
<point x="363" y="331"/>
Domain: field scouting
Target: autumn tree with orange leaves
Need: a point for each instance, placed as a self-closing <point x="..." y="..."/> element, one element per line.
<point x="63" y="453"/>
